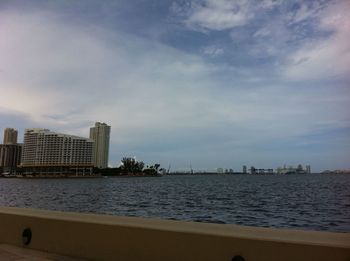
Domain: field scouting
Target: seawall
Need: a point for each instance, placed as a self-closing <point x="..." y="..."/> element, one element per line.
<point x="105" y="237"/>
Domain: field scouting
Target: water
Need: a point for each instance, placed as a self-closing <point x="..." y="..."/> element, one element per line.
<point x="308" y="202"/>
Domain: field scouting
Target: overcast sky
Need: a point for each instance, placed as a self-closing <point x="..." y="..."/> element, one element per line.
<point x="214" y="83"/>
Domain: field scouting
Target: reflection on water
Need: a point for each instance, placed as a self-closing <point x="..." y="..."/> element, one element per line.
<point x="312" y="202"/>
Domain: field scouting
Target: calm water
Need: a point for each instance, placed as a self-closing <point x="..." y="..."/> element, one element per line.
<point x="312" y="202"/>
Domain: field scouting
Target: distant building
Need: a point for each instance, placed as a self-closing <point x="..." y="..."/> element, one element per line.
<point x="220" y="170"/>
<point x="252" y="170"/>
<point x="10" y="152"/>
<point x="308" y="169"/>
<point x="45" y="151"/>
<point x="244" y="169"/>
<point x="10" y="136"/>
<point x="10" y="157"/>
<point x="292" y="170"/>
<point x="100" y="134"/>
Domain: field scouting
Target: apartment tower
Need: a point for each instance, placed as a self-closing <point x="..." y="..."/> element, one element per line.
<point x="10" y="136"/>
<point x="10" y="152"/>
<point x="45" y="151"/>
<point x="100" y="134"/>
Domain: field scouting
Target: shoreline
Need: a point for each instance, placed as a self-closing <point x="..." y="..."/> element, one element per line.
<point x="62" y="176"/>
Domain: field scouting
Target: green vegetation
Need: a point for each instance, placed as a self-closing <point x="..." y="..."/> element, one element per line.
<point x="131" y="167"/>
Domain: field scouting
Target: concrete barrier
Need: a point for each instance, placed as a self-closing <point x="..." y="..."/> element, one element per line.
<point x="104" y="237"/>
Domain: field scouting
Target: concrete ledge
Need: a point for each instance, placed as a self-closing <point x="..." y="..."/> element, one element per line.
<point x="13" y="253"/>
<point x="104" y="237"/>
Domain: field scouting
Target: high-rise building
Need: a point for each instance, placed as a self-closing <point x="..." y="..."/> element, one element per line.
<point x="100" y="134"/>
<point x="244" y="169"/>
<point x="10" y="151"/>
<point x="308" y="169"/>
<point x="10" y="157"/>
<point x="47" y="151"/>
<point x="10" y="136"/>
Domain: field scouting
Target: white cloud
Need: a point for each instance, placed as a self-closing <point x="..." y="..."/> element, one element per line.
<point x="306" y="11"/>
<point x="67" y="76"/>
<point x="59" y="73"/>
<point x="263" y="32"/>
<point x="203" y="15"/>
<point x="215" y="14"/>
<point x="213" y="51"/>
<point x="272" y="39"/>
<point x="268" y="4"/>
<point x="326" y="57"/>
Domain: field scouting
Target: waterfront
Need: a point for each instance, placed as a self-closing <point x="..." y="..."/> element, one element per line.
<point x="308" y="202"/>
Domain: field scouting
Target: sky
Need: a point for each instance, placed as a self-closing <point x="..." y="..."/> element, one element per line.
<point x="206" y="83"/>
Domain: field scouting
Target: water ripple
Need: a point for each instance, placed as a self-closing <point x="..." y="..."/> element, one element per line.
<point x="312" y="202"/>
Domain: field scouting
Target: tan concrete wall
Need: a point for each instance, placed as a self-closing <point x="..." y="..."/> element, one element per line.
<point x="103" y="237"/>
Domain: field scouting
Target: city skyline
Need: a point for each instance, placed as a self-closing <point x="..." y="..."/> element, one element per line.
<point x="99" y="134"/>
<point x="211" y="83"/>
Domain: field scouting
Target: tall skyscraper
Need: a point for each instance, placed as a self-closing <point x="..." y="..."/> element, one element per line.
<point x="100" y="134"/>
<point x="10" y="136"/>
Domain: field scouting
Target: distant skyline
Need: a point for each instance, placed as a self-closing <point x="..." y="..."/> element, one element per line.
<point x="211" y="83"/>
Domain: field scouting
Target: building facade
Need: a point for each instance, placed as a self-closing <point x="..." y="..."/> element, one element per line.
<point x="45" y="151"/>
<point x="10" y="152"/>
<point x="10" y="136"/>
<point x="10" y="157"/>
<point x="100" y="135"/>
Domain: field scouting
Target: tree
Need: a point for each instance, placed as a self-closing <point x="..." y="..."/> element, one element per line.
<point x="156" y="166"/>
<point x="152" y="170"/>
<point x="130" y="165"/>
<point x="300" y="167"/>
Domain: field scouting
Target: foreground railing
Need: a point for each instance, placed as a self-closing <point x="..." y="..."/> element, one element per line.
<point x="104" y="237"/>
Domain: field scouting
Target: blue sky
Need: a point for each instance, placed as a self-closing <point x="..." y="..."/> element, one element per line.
<point x="217" y="83"/>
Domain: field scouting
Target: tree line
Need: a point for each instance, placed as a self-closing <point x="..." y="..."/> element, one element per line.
<point x="131" y="167"/>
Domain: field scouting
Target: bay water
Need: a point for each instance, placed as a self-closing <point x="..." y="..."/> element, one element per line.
<point x="308" y="202"/>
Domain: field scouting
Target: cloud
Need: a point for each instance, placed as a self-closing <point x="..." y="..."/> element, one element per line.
<point x="214" y="14"/>
<point x="213" y="51"/>
<point x="272" y="39"/>
<point x="306" y="11"/>
<point x="268" y="4"/>
<point x="67" y="73"/>
<point x="219" y="15"/>
<point x="263" y="32"/>
<point x="162" y="103"/>
<point x="325" y="57"/>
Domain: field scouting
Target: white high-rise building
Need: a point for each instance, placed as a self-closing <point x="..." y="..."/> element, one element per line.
<point x="100" y="134"/>
<point x="44" y="150"/>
